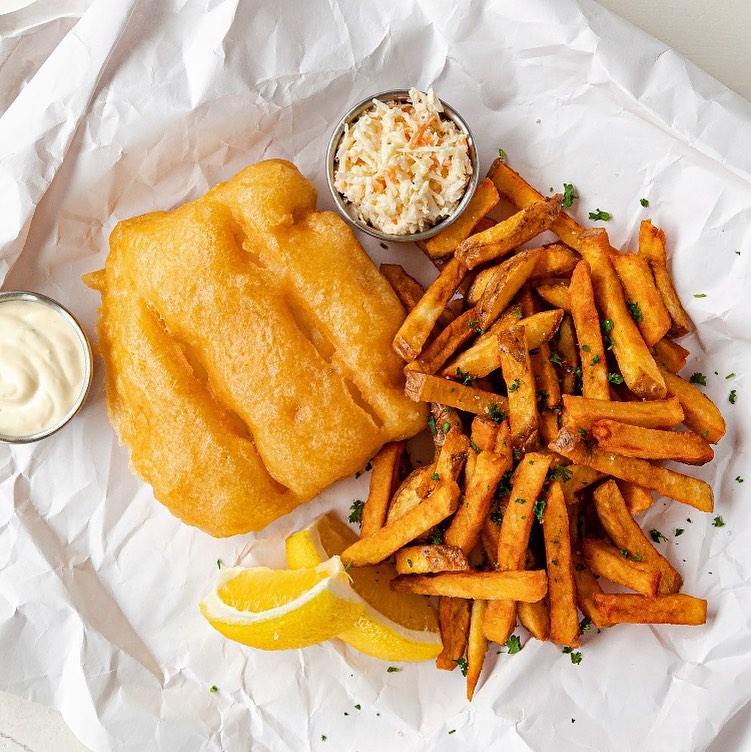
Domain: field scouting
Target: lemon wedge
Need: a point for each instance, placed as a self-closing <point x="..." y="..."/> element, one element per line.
<point x="393" y="626"/>
<point x="275" y="609"/>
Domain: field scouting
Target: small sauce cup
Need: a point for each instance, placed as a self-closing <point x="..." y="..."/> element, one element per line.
<point x="349" y="211"/>
<point x="88" y="360"/>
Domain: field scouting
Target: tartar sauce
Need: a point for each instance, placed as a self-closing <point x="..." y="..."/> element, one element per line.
<point x="42" y="367"/>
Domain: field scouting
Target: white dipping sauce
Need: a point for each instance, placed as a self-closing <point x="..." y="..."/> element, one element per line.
<point x="42" y="367"/>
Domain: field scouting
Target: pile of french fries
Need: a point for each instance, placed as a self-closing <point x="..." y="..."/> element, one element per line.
<point x="552" y="377"/>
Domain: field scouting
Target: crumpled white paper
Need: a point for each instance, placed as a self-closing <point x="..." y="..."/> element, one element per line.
<point x="118" y="108"/>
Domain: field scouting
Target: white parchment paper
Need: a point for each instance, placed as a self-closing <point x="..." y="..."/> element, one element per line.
<point x="117" y="108"/>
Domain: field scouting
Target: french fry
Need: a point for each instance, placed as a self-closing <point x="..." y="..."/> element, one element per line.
<point x="635" y="361"/>
<point x="564" y="618"/>
<point x="492" y="586"/>
<point x="490" y="466"/>
<point x="409" y="290"/>
<point x="452" y="456"/>
<point x="642" y="296"/>
<point x="422" y="387"/>
<point x="595" y="384"/>
<point x="637" y="499"/>
<point x="670" y="354"/>
<point x="414" y="489"/>
<point x="626" y="608"/>
<point x="489" y="536"/>
<point x="651" y="444"/>
<point x="453" y="623"/>
<point x="518" y="192"/>
<point x="383" y="480"/>
<point x="557" y="293"/>
<point x="582" y="412"/>
<point x="652" y="249"/>
<point x="567" y="353"/>
<point x="502" y="238"/>
<point x="579" y="477"/>
<point x="551" y="260"/>
<point x="484" y="357"/>
<point x="627" y="536"/>
<point x="606" y="561"/>
<point x="485" y="433"/>
<point x="587" y="588"/>
<point x="416" y="328"/>
<point x="700" y="413"/>
<point x="513" y="539"/>
<point x="535" y="618"/>
<point x="520" y="384"/>
<point x="437" y="507"/>
<point x="505" y="282"/>
<point x="691" y="491"/>
<point x="477" y="647"/>
<point x="445" y="242"/>
<point x="459" y="331"/>
<point x="430" y="558"/>
<point x="445" y="418"/>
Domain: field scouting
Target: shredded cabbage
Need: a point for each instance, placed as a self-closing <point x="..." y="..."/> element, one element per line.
<point x="402" y="166"/>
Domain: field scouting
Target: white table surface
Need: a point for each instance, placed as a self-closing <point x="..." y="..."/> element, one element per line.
<point x="714" y="35"/>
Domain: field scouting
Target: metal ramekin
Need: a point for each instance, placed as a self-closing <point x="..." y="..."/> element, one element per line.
<point x="398" y="95"/>
<point x="88" y="360"/>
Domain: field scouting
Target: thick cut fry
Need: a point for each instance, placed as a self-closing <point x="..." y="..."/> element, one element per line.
<point x="437" y="507"/>
<point x="579" y="477"/>
<point x="453" y="623"/>
<point x="651" y="444"/>
<point x="652" y="249"/>
<point x="490" y="586"/>
<point x="627" y="536"/>
<point x="517" y="191"/>
<point x="502" y="238"/>
<point x="556" y="293"/>
<point x="445" y="242"/>
<point x="452" y="456"/>
<point x="461" y="329"/>
<point x="422" y="387"/>
<point x="564" y="617"/>
<point x="490" y="466"/>
<point x="642" y="296"/>
<point x="619" y="567"/>
<point x="383" y="481"/>
<point x="691" y="491"/>
<point x="587" y="588"/>
<point x="535" y="618"/>
<point x="485" y="433"/>
<point x="430" y="559"/>
<point x="489" y="536"/>
<point x="520" y="384"/>
<point x="484" y="357"/>
<point x="595" y="384"/>
<point x="409" y="290"/>
<point x="637" y="499"/>
<point x="625" y="608"/>
<point x="700" y="413"/>
<point x="635" y="361"/>
<point x="567" y="354"/>
<point x="670" y="354"/>
<point x="514" y="537"/>
<point x="414" y="332"/>
<point x="445" y="419"/>
<point x="414" y="489"/>
<point x="580" y="412"/>
<point x="477" y="647"/>
<point x="552" y="260"/>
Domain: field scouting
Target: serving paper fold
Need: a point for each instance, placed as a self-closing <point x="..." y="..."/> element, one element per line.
<point x="115" y="109"/>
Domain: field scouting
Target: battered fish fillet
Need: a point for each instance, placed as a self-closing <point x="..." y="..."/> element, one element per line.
<point x="247" y="345"/>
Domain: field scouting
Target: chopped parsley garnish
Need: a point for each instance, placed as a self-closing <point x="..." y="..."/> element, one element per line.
<point x="213" y="689"/>
<point x="556" y="358"/>
<point x="585" y="625"/>
<point x="431" y="425"/>
<point x="599" y="215"/>
<point x="644" y="202"/>
<point x="392" y="669"/>
<point x="575" y="655"/>
<point x="731" y="397"/>
<point x="515" y="384"/>
<point x="607" y="326"/>
<point x="513" y="643"/>
<point x="582" y="432"/>
<point x="679" y="531"/>
<point x="502" y="154"/>
<point x="323" y="737"/>
<point x="519" y="500"/>
<point x="516" y="311"/>
<point x="698" y="378"/>
<point x="730" y="375"/>
<point x="615" y="378"/>
<point x="357" y="707"/>
<point x="355" y="514"/>
<point x="542" y="395"/>
<point x="738" y="479"/>
<point x="453" y="731"/>
<point x="218" y="563"/>
<point x="462" y="663"/>
<point x="435" y="476"/>
<point x="465" y="377"/>
<point x="570" y="194"/>
<point x="539" y="508"/>
<point x="495" y="413"/>
<point x="700" y="295"/>
<point x="474" y="446"/>
<point x="446" y="427"/>
<point x="437" y="537"/>
<point x="560" y="472"/>
<point x="623" y="553"/>
<point x="586" y="348"/>
<point x="634" y="310"/>
<point x="656" y="535"/>
<point x="718" y="522"/>
<point x="595" y="360"/>
<point x="497" y="517"/>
